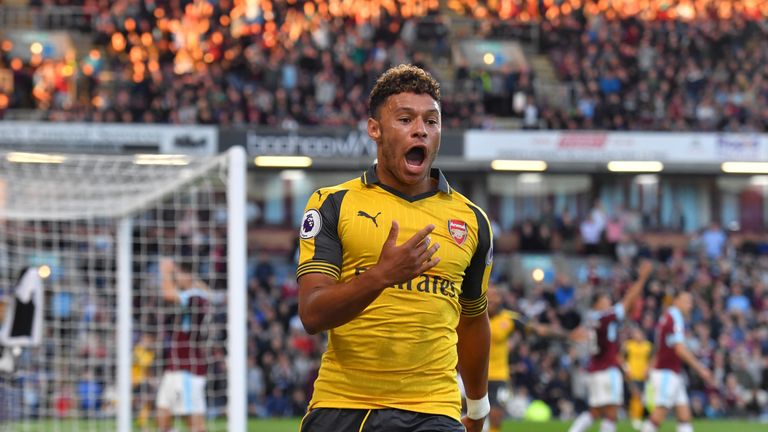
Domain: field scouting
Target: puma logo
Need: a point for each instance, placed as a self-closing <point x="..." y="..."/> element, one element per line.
<point x="366" y="215"/>
<point x="319" y="194"/>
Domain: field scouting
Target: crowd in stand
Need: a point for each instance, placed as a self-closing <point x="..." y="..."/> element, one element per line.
<point x="232" y="63"/>
<point x="286" y="64"/>
<point x="704" y="75"/>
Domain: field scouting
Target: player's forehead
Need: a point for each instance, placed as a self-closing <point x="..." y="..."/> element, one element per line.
<point x="408" y="102"/>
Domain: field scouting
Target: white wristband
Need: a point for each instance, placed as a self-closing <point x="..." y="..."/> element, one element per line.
<point x="479" y="408"/>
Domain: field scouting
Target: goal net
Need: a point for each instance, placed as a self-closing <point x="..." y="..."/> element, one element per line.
<point x="140" y="263"/>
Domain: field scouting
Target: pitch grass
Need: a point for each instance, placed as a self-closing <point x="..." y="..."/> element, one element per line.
<point x="292" y="425"/>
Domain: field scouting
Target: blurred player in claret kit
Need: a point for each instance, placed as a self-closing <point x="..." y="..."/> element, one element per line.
<point x="667" y="385"/>
<point x="395" y="266"/>
<point x="182" y="387"/>
<point x="605" y="379"/>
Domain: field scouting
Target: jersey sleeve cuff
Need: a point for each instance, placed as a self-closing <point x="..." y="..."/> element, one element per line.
<point x="676" y="338"/>
<point x="618" y="308"/>
<point x="472" y="308"/>
<point x="318" y="267"/>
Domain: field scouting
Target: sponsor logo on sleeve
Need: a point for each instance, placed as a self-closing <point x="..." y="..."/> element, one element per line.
<point x="310" y="224"/>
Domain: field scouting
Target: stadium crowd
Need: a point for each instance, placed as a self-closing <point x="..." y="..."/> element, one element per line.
<point x="285" y="64"/>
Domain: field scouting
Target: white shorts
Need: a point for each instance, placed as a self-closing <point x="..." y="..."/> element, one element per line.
<point x="606" y="387"/>
<point x="182" y="393"/>
<point x="666" y="389"/>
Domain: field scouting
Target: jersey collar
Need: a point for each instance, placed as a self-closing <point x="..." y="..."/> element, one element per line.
<point x="369" y="177"/>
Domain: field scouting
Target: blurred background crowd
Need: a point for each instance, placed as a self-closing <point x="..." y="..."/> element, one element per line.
<point x="611" y="65"/>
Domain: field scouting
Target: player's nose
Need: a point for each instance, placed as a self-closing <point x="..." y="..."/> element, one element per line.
<point x="419" y="128"/>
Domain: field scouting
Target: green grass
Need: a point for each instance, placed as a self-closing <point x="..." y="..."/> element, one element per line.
<point x="292" y="425"/>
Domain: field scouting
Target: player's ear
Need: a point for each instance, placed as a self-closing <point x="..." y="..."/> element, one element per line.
<point x="374" y="129"/>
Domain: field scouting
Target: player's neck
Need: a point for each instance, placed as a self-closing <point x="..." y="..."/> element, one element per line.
<point x="386" y="178"/>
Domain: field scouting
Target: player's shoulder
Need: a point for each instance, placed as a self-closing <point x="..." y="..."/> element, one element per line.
<point x="508" y="314"/>
<point x="319" y="196"/>
<point x="462" y="200"/>
<point x="518" y="318"/>
<point x="466" y="202"/>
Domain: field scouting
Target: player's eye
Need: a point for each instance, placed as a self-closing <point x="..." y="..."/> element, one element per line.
<point x="404" y="120"/>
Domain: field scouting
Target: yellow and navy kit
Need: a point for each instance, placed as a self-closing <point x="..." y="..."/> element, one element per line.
<point x="638" y="358"/>
<point x="503" y="324"/>
<point x="400" y="352"/>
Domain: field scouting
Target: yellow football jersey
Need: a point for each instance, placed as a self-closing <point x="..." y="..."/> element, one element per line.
<point x="638" y="357"/>
<point x="502" y="326"/>
<point x="142" y="362"/>
<point x="400" y="352"/>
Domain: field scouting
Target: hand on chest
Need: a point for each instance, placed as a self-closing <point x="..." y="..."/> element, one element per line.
<point x="365" y="225"/>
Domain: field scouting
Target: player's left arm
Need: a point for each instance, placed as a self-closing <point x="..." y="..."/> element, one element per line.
<point x="168" y="281"/>
<point x="687" y="356"/>
<point x="677" y="340"/>
<point x="473" y="348"/>
<point x="473" y="331"/>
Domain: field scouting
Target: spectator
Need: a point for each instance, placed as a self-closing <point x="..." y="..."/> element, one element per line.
<point x="256" y="388"/>
<point x="591" y="232"/>
<point x="626" y="249"/>
<point x="737" y="301"/>
<point x="89" y="392"/>
<point x="713" y="241"/>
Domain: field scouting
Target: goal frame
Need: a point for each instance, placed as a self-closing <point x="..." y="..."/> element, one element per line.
<point x="236" y="294"/>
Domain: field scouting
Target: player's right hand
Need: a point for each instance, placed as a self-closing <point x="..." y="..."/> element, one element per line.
<point x="472" y="425"/>
<point x="398" y="264"/>
<point x="167" y="265"/>
<point x="579" y="334"/>
<point x="707" y="377"/>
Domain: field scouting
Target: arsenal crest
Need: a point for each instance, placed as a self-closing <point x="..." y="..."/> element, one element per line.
<point x="458" y="230"/>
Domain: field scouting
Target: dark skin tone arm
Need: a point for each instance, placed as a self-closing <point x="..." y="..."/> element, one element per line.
<point x="473" y="347"/>
<point x="325" y="303"/>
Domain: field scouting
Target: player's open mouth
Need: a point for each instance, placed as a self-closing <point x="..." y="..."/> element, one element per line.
<point x="416" y="156"/>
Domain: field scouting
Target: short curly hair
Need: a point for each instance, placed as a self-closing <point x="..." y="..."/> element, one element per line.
<point x="404" y="78"/>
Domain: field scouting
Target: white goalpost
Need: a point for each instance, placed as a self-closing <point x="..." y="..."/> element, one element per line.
<point x="97" y="230"/>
